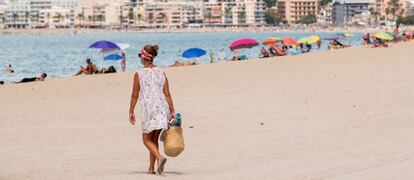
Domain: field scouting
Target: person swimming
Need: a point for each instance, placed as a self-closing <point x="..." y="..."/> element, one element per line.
<point x="9" y="69"/>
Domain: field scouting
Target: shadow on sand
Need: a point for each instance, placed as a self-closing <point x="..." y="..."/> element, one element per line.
<point x="165" y="172"/>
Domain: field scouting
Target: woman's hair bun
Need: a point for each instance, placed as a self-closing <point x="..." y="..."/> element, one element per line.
<point x="152" y="49"/>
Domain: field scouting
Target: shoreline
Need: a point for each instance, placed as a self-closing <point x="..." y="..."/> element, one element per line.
<point x="192" y="30"/>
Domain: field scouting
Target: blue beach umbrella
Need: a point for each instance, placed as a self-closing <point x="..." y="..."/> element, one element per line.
<point x="104" y="45"/>
<point x="193" y="53"/>
<point x="113" y="57"/>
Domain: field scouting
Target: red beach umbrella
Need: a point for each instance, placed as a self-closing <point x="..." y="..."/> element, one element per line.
<point x="243" y="43"/>
<point x="289" y="41"/>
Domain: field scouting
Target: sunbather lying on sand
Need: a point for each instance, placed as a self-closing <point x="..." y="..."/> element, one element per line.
<point x="185" y="63"/>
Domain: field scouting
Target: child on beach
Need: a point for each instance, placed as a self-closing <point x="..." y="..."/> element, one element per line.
<point x="151" y="88"/>
<point x="123" y="62"/>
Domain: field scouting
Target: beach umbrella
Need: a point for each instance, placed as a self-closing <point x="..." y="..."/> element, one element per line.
<point x="193" y="53"/>
<point x="309" y="40"/>
<point x="122" y="46"/>
<point x="289" y="41"/>
<point x="104" y="45"/>
<point x="313" y="39"/>
<point x="243" y="43"/>
<point x="272" y="40"/>
<point x="348" y="35"/>
<point x="384" y="36"/>
<point x="112" y="57"/>
<point x="303" y="40"/>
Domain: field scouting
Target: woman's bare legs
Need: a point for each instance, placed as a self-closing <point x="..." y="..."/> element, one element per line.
<point x="154" y="138"/>
<point x="151" y="142"/>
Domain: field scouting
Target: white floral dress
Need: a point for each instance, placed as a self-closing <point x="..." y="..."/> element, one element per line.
<point x="152" y="102"/>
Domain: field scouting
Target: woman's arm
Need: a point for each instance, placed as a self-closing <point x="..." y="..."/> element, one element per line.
<point x="134" y="99"/>
<point x="169" y="98"/>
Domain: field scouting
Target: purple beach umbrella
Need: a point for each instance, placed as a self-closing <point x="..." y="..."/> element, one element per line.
<point x="104" y="45"/>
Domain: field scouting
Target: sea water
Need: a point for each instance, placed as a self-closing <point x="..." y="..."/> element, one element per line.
<point x="62" y="55"/>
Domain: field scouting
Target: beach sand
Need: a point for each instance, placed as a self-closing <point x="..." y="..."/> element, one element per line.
<point x="344" y="114"/>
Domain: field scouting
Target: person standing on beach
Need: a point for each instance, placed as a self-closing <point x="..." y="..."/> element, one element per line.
<point x="151" y="88"/>
<point x="222" y="55"/>
<point x="123" y="62"/>
<point x="211" y="57"/>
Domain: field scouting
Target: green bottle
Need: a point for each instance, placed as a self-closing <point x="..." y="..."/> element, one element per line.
<point x="178" y="119"/>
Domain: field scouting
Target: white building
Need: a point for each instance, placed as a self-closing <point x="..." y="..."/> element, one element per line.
<point x="26" y="13"/>
<point x="2" y="10"/>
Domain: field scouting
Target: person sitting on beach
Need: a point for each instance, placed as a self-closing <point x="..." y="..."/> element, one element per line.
<point x="366" y="39"/>
<point x="9" y="69"/>
<point x="264" y="53"/>
<point x="89" y="69"/>
<point x="379" y="43"/>
<point x="42" y="77"/>
<point x="318" y="44"/>
<point x="151" y="89"/>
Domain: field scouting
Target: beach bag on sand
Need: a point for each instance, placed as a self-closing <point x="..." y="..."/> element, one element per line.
<point x="173" y="141"/>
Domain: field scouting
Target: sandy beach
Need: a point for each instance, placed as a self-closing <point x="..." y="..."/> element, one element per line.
<point x="344" y="114"/>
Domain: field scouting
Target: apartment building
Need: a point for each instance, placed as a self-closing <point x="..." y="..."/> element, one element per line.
<point x="2" y="10"/>
<point x="294" y="10"/>
<point x="27" y="13"/>
<point x="346" y="11"/>
<point x="324" y="16"/>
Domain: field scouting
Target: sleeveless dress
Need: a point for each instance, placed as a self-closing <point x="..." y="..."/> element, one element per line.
<point x="152" y="102"/>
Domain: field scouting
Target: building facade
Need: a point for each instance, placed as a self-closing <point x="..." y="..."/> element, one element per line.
<point x="350" y="11"/>
<point x="2" y="17"/>
<point x="294" y="10"/>
<point x="35" y="13"/>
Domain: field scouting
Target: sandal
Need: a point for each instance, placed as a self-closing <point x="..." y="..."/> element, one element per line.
<point x="160" y="169"/>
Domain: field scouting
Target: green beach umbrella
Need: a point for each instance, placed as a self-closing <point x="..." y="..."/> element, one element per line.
<point x="384" y="36"/>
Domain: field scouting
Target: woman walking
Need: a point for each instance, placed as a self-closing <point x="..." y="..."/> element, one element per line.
<point x="150" y="87"/>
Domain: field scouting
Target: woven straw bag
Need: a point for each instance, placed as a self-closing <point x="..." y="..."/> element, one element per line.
<point x="174" y="141"/>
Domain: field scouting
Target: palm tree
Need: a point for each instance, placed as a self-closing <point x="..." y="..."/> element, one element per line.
<point x="163" y="18"/>
<point x="228" y="14"/>
<point x="194" y="15"/>
<point x="394" y="8"/>
<point x="150" y="18"/>
<point x="67" y="20"/>
<point x="80" y="17"/>
<point x="101" y="18"/>
<point x="59" y="17"/>
<point x="139" y="17"/>
<point x="47" y="17"/>
<point x="130" y="18"/>
<point x="15" y="16"/>
<point x="208" y="17"/>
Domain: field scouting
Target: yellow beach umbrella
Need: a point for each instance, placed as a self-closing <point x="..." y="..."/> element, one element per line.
<point x="303" y="40"/>
<point x="313" y="39"/>
<point x="348" y="35"/>
<point x="309" y="40"/>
